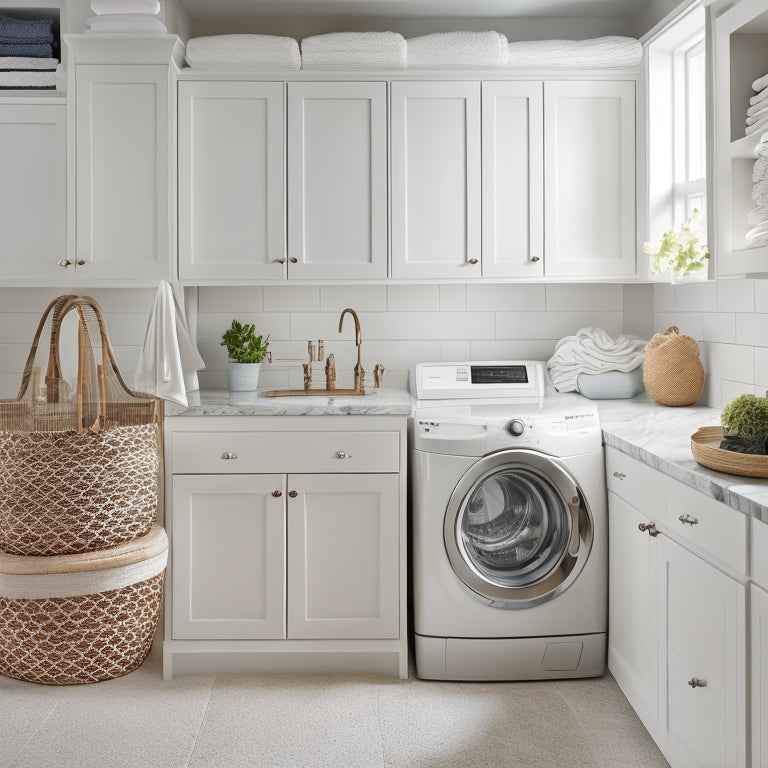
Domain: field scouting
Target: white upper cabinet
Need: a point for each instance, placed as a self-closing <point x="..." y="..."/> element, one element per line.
<point x="123" y="173"/>
<point x="33" y="192"/>
<point x="513" y="170"/>
<point x="589" y="179"/>
<point x="337" y="180"/>
<point x="435" y="179"/>
<point x="231" y="181"/>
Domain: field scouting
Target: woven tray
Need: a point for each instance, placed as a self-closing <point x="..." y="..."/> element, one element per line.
<point x="704" y="447"/>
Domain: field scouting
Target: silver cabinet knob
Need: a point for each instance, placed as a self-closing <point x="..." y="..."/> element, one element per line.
<point x="65" y="263"/>
<point x="695" y="682"/>
<point x="649" y="528"/>
<point x="535" y="258"/>
<point x="343" y="455"/>
<point x="619" y="475"/>
<point x="277" y="494"/>
<point x="228" y="455"/>
<point x="688" y="520"/>
<point x="473" y="261"/>
<point x="278" y="261"/>
<point x="293" y="494"/>
<point x="293" y="259"/>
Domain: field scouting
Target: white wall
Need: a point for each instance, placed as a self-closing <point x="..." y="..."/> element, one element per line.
<point x="729" y="319"/>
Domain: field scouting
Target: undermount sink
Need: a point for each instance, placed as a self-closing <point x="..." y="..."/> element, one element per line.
<point x="314" y="393"/>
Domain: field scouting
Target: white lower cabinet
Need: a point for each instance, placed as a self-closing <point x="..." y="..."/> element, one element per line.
<point x="286" y="570"/>
<point x="678" y="623"/>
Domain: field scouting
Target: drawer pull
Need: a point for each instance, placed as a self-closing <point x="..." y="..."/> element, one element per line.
<point x="293" y="494"/>
<point x="343" y="455"/>
<point x="650" y="528"/>
<point x="694" y="682"/>
<point x="619" y="475"/>
<point x="277" y="494"/>
<point x="228" y="455"/>
<point x="688" y="520"/>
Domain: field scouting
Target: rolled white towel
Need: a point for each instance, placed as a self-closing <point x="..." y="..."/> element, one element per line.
<point x="119" y="23"/>
<point x="354" y="50"/>
<point x="610" y="51"/>
<point x="760" y="83"/>
<point x="243" y="52"/>
<point x="593" y="350"/>
<point x="457" y="49"/>
<point x="151" y="7"/>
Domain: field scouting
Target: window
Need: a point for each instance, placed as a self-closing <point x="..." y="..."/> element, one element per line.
<point x="677" y="122"/>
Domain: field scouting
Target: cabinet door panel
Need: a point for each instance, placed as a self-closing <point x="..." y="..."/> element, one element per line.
<point x="759" y="676"/>
<point x="702" y="630"/>
<point x="337" y="180"/>
<point x="436" y="191"/>
<point x="343" y="556"/>
<point x="231" y="181"/>
<point x="632" y="609"/>
<point x="513" y="167"/>
<point x="33" y="192"/>
<point x="123" y="172"/>
<point x="589" y="143"/>
<point x="228" y="557"/>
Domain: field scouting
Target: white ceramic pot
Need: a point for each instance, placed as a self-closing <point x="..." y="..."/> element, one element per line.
<point x="243" y="377"/>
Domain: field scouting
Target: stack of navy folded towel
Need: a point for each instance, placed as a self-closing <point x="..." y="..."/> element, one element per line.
<point x="28" y="57"/>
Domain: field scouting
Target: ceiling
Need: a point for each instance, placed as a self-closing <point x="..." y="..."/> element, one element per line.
<point x="626" y="9"/>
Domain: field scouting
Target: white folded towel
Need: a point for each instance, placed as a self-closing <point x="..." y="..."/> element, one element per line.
<point x="457" y="49"/>
<point x="152" y="7"/>
<point x="758" y="97"/>
<point x="119" y="23"/>
<point x="593" y="350"/>
<point x="760" y="83"/>
<point x="757" y="114"/>
<point x="611" y="51"/>
<point x="243" y="52"/>
<point x="169" y="361"/>
<point x="354" y="50"/>
<point x="31" y="79"/>
<point x="759" y="125"/>
<point x="25" y="63"/>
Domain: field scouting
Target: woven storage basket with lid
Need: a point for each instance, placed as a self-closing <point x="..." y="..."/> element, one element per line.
<point x="70" y="619"/>
<point x="672" y="371"/>
<point x="79" y="460"/>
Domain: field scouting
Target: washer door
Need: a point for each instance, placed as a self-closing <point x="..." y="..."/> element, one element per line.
<point x="517" y="528"/>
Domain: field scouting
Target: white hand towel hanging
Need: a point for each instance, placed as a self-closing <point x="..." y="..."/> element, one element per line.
<point x="169" y="361"/>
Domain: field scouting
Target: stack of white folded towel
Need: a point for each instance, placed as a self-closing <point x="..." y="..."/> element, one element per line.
<point x="448" y="50"/>
<point x="121" y="16"/>
<point x="758" y="216"/>
<point x="354" y="50"/>
<point x="593" y="351"/>
<point x="757" y="112"/>
<point x="27" y="53"/>
<point x="243" y="52"/>
<point x="611" y="51"/>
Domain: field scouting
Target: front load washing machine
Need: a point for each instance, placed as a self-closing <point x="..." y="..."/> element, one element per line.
<point x="509" y="525"/>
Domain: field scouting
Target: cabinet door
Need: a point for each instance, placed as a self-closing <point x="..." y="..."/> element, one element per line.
<point x="123" y="172"/>
<point x="231" y="181"/>
<point x="702" y="671"/>
<point x="513" y="183"/>
<point x="337" y="180"/>
<point x="33" y="192"/>
<point x="343" y="556"/>
<point x="632" y="608"/>
<point x="589" y="179"/>
<point x="228" y="557"/>
<point x="435" y="167"/>
<point x="759" y="675"/>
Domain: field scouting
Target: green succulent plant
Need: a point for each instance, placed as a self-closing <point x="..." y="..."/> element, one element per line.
<point x="243" y="345"/>
<point x="682" y="252"/>
<point x="745" y="419"/>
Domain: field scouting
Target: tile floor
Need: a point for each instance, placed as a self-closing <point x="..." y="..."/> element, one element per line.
<point x="347" y="721"/>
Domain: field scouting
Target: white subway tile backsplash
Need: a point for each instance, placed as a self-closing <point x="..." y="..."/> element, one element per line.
<point x="733" y="362"/>
<point x="292" y="298"/>
<point x="413" y="298"/>
<point x="506" y="298"/>
<point x="243" y="299"/>
<point x="553" y="325"/>
<point x="453" y="351"/>
<point x="453" y="298"/>
<point x="513" y="349"/>
<point x="687" y="323"/>
<point x="692" y="297"/>
<point x="562" y="297"/>
<point x="719" y="326"/>
<point x="736" y="295"/>
<point x="211" y="326"/>
<point x="761" y="369"/>
<point x="663" y="297"/>
<point x="761" y="295"/>
<point x="752" y="329"/>
<point x="362" y="298"/>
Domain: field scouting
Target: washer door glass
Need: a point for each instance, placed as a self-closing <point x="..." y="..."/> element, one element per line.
<point x="517" y="529"/>
<point x="514" y="527"/>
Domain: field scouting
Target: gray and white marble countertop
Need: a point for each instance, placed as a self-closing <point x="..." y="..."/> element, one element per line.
<point x="383" y="402"/>
<point x="656" y="435"/>
<point x="661" y="438"/>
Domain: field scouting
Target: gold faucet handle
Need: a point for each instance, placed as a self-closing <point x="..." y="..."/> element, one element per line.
<point x="378" y="374"/>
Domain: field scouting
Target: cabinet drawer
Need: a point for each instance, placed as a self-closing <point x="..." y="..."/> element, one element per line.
<point x="261" y="452"/>
<point x="635" y="482"/>
<point x="708" y="525"/>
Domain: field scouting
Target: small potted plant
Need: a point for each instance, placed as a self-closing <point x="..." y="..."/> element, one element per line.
<point x="683" y="252"/>
<point x="745" y="424"/>
<point x="246" y="351"/>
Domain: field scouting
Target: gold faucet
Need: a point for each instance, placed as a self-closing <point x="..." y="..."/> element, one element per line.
<point x="359" y="372"/>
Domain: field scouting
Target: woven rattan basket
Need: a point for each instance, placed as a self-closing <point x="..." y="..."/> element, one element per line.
<point x="705" y="448"/>
<point x="672" y="371"/>
<point x="79" y="464"/>
<point x="81" y="618"/>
